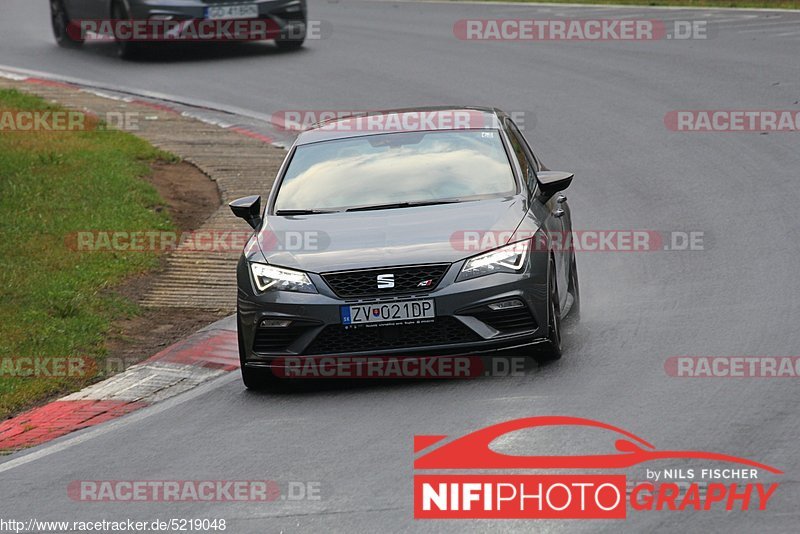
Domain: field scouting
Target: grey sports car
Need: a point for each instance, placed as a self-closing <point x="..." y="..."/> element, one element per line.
<point x="432" y="239"/>
<point x="286" y="19"/>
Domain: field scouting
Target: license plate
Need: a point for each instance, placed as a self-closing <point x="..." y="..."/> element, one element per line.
<point x="248" y="11"/>
<point x="387" y="312"/>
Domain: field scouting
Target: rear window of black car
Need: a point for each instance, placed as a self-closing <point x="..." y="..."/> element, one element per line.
<point x="397" y="167"/>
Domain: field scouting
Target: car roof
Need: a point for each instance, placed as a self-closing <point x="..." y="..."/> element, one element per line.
<point x="433" y="117"/>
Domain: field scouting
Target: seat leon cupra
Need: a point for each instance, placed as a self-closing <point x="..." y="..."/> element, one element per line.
<point x="416" y="233"/>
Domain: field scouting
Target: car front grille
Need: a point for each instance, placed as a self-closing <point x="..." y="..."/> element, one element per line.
<point x="364" y="283"/>
<point x="336" y="339"/>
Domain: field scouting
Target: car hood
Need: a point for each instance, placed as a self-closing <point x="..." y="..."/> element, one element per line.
<point x="402" y="236"/>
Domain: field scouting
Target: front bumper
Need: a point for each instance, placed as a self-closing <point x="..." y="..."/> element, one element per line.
<point x="464" y="324"/>
<point x="286" y="18"/>
<point x="144" y="9"/>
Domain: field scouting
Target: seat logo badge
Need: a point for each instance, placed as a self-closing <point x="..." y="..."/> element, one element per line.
<point x="425" y="283"/>
<point x="385" y="281"/>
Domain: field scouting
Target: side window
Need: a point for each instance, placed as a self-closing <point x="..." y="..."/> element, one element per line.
<point x="521" y="140"/>
<point x="520" y="152"/>
<point x="526" y="160"/>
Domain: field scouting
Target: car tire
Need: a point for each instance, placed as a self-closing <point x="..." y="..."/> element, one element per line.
<point x="574" y="289"/>
<point x="125" y="49"/>
<point x="60" y="21"/>
<point x="291" y="43"/>
<point x="551" y="350"/>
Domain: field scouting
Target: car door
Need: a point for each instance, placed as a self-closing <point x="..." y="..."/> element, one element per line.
<point x="552" y="213"/>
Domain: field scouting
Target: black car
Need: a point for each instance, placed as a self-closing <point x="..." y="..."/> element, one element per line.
<point x="287" y="19"/>
<point x="390" y="197"/>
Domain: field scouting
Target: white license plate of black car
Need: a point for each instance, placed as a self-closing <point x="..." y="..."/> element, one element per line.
<point x="244" y="11"/>
<point x="387" y="312"/>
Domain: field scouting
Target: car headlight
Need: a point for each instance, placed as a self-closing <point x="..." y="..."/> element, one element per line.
<point x="508" y="259"/>
<point x="271" y="278"/>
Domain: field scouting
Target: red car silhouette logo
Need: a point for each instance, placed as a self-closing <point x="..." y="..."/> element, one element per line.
<point x="472" y="451"/>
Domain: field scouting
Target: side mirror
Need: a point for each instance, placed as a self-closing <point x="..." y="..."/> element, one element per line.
<point x="249" y="209"/>
<point x="551" y="182"/>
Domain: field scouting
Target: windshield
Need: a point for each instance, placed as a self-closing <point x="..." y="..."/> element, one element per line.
<point x="399" y="168"/>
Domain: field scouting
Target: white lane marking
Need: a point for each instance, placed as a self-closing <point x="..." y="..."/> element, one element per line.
<point x="737" y="19"/>
<point x="764" y="28"/>
<point x="83" y="436"/>
<point x="12" y="76"/>
<point x="754" y="21"/>
<point x="206" y="120"/>
<point x="708" y="18"/>
<point x="590" y="7"/>
<point x="187" y="101"/>
<point x="147" y="382"/>
<point x="762" y="23"/>
<point x="521" y="397"/>
<point x="98" y="87"/>
<point x="108" y="96"/>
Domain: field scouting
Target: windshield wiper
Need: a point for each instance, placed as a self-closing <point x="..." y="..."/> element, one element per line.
<point x="304" y="212"/>
<point x="404" y="205"/>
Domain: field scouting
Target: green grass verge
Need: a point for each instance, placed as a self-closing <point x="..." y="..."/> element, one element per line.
<point x="56" y="301"/>
<point x="769" y="4"/>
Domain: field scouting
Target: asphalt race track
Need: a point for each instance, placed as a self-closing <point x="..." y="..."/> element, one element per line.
<point x="593" y="108"/>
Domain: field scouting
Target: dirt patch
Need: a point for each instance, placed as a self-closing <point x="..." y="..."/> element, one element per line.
<point x="190" y="197"/>
<point x="137" y="338"/>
